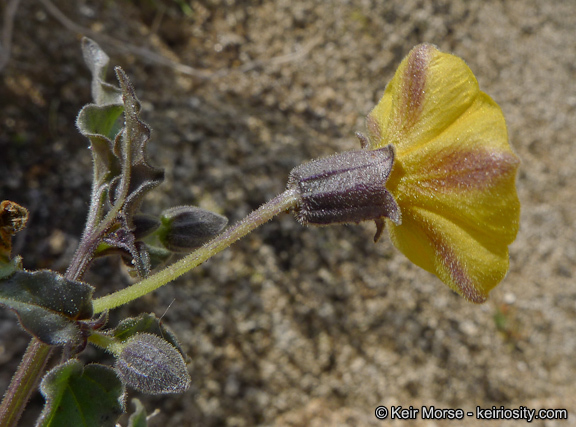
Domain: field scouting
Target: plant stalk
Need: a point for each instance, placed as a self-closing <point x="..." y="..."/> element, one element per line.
<point x="24" y="382"/>
<point x="263" y="214"/>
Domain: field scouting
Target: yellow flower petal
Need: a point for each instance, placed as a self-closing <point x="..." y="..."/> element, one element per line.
<point x="454" y="174"/>
<point x="429" y="91"/>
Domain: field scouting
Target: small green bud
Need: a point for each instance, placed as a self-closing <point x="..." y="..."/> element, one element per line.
<point x="185" y="228"/>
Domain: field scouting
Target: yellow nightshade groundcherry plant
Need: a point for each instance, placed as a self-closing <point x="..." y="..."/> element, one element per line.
<point x="435" y="169"/>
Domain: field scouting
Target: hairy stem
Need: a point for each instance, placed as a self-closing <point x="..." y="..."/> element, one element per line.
<point x="24" y="382"/>
<point x="83" y="256"/>
<point x="105" y="342"/>
<point x="279" y="204"/>
<point x="94" y="229"/>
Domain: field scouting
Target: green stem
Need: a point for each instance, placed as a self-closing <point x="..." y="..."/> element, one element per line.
<point x="279" y="204"/>
<point x="105" y="342"/>
<point x="24" y="382"/>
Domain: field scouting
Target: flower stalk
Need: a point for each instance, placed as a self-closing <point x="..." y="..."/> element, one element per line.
<point x="283" y="202"/>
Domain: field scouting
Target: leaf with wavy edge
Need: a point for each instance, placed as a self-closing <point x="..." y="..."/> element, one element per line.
<point x="122" y="172"/>
<point x="97" y="61"/>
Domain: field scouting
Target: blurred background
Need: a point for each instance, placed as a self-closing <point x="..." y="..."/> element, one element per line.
<point x="298" y="326"/>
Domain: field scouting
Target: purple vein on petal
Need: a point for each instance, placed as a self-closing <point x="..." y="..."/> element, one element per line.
<point x="450" y="262"/>
<point x="457" y="272"/>
<point x="469" y="170"/>
<point x="413" y="87"/>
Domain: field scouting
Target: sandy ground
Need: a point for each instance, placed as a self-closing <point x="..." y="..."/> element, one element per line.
<point x="318" y="326"/>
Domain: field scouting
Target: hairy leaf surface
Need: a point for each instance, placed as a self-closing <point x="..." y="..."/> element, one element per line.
<point x="48" y="305"/>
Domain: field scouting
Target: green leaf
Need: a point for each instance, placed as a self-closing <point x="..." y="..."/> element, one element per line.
<point x="138" y="417"/>
<point x="97" y="60"/>
<point x="150" y="364"/>
<point x="48" y="305"/>
<point x="97" y="120"/>
<point x="101" y="125"/>
<point x="138" y="176"/>
<point x="81" y="396"/>
<point x="149" y="323"/>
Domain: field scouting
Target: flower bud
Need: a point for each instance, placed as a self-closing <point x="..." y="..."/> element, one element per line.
<point x="185" y="228"/>
<point x="151" y="365"/>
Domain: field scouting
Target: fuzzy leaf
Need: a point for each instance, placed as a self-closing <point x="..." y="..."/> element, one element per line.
<point x="138" y="176"/>
<point x="81" y="396"/>
<point x="151" y="365"/>
<point x="101" y="122"/>
<point x="10" y="267"/>
<point x="97" y="60"/>
<point x="101" y="125"/>
<point x="48" y="305"/>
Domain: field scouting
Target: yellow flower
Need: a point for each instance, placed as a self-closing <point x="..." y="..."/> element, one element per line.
<point x="454" y="172"/>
